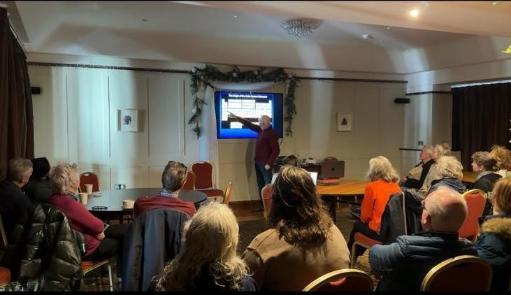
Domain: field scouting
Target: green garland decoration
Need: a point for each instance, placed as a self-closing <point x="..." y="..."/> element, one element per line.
<point x="202" y="78"/>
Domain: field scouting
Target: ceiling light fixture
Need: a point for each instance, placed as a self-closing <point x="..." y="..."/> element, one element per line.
<point x="300" y="27"/>
<point x="508" y="50"/>
<point x="414" y="13"/>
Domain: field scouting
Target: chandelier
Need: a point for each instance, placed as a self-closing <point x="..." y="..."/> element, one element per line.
<point x="300" y="27"/>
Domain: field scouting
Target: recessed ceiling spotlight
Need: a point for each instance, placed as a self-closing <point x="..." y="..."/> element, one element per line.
<point x="494" y="3"/>
<point x="414" y="13"/>
<point x="367" y="36"/>
<point x="235" y="16"/>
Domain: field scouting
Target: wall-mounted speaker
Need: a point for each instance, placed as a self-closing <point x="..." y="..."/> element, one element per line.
<point x="401" y="100"/>
<point x="36" y="90"/>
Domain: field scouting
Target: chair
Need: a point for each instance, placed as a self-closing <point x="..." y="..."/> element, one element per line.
<point x="464" y="273"/>
<point x="228" y="193"/>
<point x="204" y="179"/>
<point x="342" y="280"/>
<point x="89" y="178"/>
<point x="475" y="202"/>
<point x="89" y="266"/>
<point x="5" y="273"/>
<point x="266" y="195"/>
<point x="190" y="181"/>
<point x="361" y="240"/>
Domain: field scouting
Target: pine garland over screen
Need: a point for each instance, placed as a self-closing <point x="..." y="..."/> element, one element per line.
<point x="202" y="78"/>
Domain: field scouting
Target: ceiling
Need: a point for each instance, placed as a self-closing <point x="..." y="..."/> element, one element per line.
<point x="250" y="33"/>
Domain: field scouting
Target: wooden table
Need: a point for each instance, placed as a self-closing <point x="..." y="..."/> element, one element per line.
<point x="345" y="188"/>
<point x="112" y="200"/>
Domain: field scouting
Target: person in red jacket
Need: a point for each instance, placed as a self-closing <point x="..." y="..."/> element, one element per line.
<point x="100" y="244"/>
<point x="266" y="149"/>
<point x="173" y="178"/>
<point x="383" y="183"/>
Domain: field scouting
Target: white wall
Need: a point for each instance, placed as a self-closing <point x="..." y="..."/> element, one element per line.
<point x="76" y="119"/>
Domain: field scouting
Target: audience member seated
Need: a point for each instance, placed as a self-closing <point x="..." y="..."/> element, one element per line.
<point x="383" y="183"/>
<point x="38" y="189"/>
<point x="404" y="263"/>
<point x="291" y="160"/>
<point x="494" y="244"/>
<point x="417" y="175"/>
<point x="15" y="207"/>
<point x="302" y="244"/>
<point x="100" y="243"/>
<point x="502" y="156"/>
<point x="173" y="178"/>
<point x="484" y="165"/>
<point x="208" y="261"/>
<point x="449" y="172"/>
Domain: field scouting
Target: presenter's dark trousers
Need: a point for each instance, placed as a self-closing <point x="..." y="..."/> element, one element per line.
<point x="263" y="178"/>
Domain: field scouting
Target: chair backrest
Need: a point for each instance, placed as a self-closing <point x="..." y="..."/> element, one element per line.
<point x="204" y="175"/>
<point x="228" y="193"/>
<point x="348" y="279"/>
<point x="459" y="274"/>
<point x="190" y="181"/>
<point x="266" y="193"/>
<point x="475" y="202"/>
<point x="89" y="178"/>
<point x="3" y="236"/>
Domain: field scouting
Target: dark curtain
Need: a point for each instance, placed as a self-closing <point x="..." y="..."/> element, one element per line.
<point x="480" y="117"/>
<point x="16" y="117"/>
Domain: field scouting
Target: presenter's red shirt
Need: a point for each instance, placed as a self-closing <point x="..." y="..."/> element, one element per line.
<point x="267" y="147"/>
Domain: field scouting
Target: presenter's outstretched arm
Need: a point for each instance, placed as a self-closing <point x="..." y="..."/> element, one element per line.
<point x="245" y="122"/>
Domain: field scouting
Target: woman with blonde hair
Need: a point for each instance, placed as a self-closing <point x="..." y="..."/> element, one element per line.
<point x="383" y="183"/>
<point x="494" y="244"/>
<point x="502" y="156"/>
<point x="302" y="244"/>
<point x="208" y="260"/>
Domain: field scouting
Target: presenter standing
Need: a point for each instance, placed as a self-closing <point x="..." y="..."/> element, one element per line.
<point x="266" y="149"/>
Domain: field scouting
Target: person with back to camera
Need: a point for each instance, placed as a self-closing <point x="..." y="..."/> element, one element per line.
<point x="384" y="183"/>
<point x="208" y="259"/>
<point x="302" y="244"/>
<point x="494" y="244"/>
<point x="38" y="189"/>
<point x="405" y="262"/>
<point x="101" y="243"/>
<point x="503" y="157"/>
<point x="266" y="149"/>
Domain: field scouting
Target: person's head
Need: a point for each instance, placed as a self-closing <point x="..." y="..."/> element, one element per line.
<point x="449" y="166"/>
<point x="501" y="196"/>
<point x="211" y="240"/>
<point x="174" y="176"/>
<point x="444" y="210"/>
<point x="64" y="178"/>
<point x="381" y="168"/>
<point x="264" y="122"/>
<point x="440" y="150"/>
<point x="427" y="153"/>
<point x="502" y="156"/>
<point x="296" y="212"/>
<point x="482" y="161"/>
<point x="19" y="171"/>
<point x="41" y="167"/>
<point x="291" y="160"/>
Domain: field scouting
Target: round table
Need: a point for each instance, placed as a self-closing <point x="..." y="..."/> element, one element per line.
<point x="111" y="201"/>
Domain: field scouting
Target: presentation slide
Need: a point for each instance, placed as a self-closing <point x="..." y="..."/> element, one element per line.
<point x="250" y="106"/>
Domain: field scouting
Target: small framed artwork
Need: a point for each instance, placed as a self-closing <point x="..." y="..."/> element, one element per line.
<point x="129" y="120"/>
<point x="343" y="122"/>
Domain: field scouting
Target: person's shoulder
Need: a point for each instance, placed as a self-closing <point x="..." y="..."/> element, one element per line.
<point x="268" y="236"/>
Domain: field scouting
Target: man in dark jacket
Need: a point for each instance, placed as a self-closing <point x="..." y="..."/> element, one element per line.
<point x="404" y="263"/>
<point x="38" y="189"/>
<point x="15" y="206"/>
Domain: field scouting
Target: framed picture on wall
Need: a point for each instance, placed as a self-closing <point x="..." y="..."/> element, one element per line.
<point x="343" y="122"/>
<point x="129" y="120"/>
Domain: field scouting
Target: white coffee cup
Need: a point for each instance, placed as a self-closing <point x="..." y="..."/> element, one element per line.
<point x="84" y="197"/>
<point x="128" y="204"/>
<point x="88" y="188"/>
